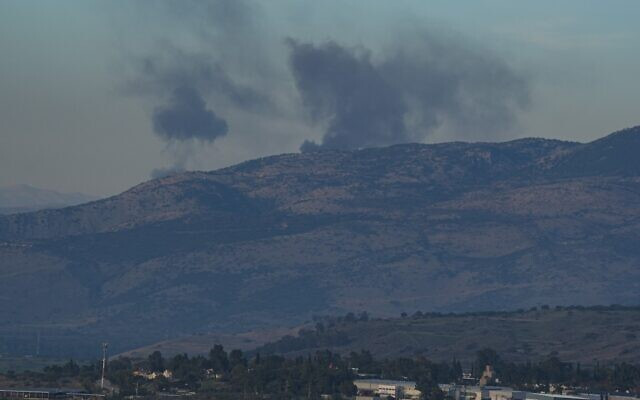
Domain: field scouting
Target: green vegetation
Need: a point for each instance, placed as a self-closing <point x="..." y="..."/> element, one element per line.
<point x="19" y="364"/>
<point x="68" y="375"/>
<point x="234" y="375"/>
<point x="575" y="333"/>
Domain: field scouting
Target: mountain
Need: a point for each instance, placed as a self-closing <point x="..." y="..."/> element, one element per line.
<point x="273" y="241"/>
<point x="25" y="198"/>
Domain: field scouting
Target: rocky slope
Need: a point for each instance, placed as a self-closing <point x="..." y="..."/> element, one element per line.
<point x="269" y="242"/>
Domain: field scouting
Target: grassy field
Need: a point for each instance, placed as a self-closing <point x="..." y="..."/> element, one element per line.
<point x="578" y="335"/>
<point x="19" y="364"/>
<point x="586" y="335"/>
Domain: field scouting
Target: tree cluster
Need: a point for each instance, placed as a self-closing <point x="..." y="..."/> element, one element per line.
<point x="234" y="375"/>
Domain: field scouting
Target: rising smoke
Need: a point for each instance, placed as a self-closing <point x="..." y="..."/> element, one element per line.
<point x="186" y="117"/>
<point x="356" y="96"/>
<point x="343" y="86"/>
<point x="188" y="83"/>
<point x="404" y="96"/>
<point x="157" y="173"/>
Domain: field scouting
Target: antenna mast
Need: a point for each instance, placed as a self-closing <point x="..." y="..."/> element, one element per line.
<point x="104" y="363"/>
<point x="38" y="345"/>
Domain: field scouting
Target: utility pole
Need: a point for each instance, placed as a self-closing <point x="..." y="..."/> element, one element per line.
<point x="38" y="345"/>
<point x="104" y="363"/>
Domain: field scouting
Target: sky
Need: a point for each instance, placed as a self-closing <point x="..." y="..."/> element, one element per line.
<point x="98" y="96"/>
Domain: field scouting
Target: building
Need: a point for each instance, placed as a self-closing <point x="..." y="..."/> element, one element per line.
<point x="32" y="393"/>
<point x="476" y="392"/>
<point x="463" y="392"/>
<point x="618" y="396"/>
<point x="488" y="376"/>
<point x="549" y="396"/>
<point x="369" y="389"/>
<point x="46" y="393"/>
<point x="154" y="375"/>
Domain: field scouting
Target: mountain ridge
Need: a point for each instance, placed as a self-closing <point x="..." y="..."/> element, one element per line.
<point x="272" y="241"/>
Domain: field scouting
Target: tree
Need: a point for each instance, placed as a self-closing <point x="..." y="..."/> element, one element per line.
<point x="348" y="389"/>
<point x="156" y="362"/>
<point x="350" y="317"/>
<point x="218" y="359"/>
<point x="487" y="356"/>
<point x="364" y="316"/>
<point x="236" y="358"/>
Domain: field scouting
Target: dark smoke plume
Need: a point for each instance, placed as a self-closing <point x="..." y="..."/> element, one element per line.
<point x="224" y="39"/>
<point x="424" y="83"/>
<point x="186" y="117"/>
<point x="173" y="68"/>
<point x="344" y="86"/>
<point x="406" y="95"/>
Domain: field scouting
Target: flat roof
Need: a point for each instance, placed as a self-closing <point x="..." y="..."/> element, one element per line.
<point x="557" y="396"/>
<point x="476" y="387"/>
<point x="43" y="390"/>
<point x="385" y="382"/>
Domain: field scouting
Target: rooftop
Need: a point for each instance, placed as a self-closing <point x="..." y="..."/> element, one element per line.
<point x="385" y="382"/>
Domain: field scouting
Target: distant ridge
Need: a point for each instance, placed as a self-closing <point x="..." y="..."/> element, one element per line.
<point x="26" y="198"/>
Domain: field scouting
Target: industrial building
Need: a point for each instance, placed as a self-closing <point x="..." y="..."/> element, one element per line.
<point x="476" y="392"/>
<point x="464" y="392"/>
<point x="47" y="393"/>
<point x="371" y="389"/>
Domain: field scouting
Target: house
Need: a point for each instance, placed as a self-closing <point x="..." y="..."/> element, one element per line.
<point x="488" y="376"/>
<point x="154" y="375"/>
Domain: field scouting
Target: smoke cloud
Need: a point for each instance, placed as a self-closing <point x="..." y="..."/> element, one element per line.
<point x="236" y="64"/>
<point x="404" y="95"/>
<point x="190" y="82"/>
<point x="186" y="117"/>
<point x="344" y="86"/>
<point x="172" y="68"/>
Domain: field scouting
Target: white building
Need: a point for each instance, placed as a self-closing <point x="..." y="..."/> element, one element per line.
<point x="369" y="389"/>
<point x="463" y="392"/>
<point x="549" y="396"/>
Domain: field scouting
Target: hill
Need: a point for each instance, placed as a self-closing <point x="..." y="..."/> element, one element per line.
<point x="273" y="241"/>
<point x="574" y="334"/>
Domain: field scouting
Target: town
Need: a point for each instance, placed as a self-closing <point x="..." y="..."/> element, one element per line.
<point x="323" y="375"/>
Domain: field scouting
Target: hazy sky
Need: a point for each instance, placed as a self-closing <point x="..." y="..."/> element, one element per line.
<point x="95" y="96"/>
